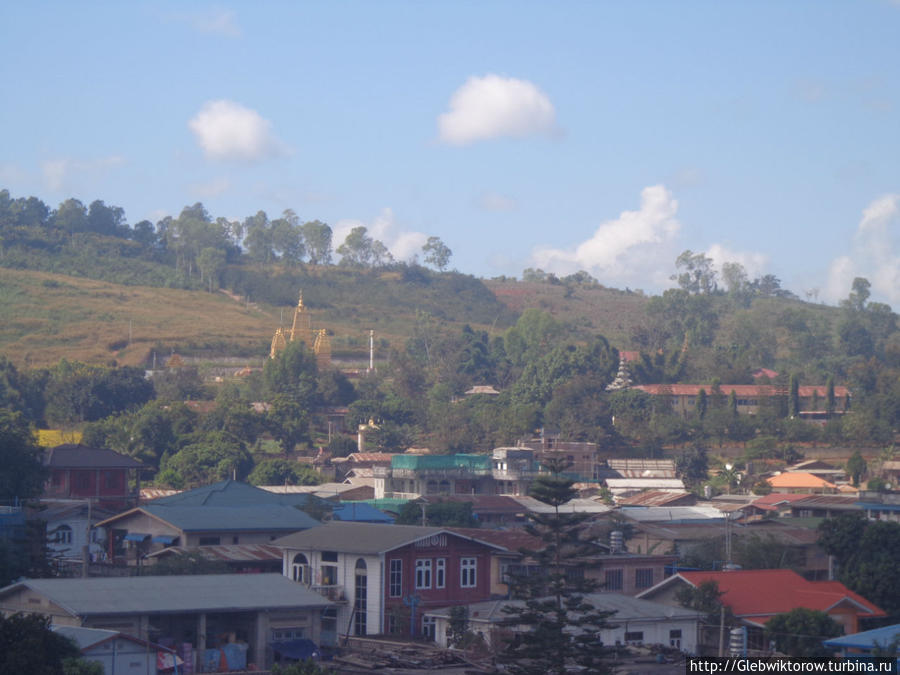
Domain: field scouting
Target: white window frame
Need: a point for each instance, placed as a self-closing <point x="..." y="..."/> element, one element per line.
<point x="468" y="572"/>
<point x="440" y="573"/>
<point x="395" y="580"/>
<point x="423" y="573"/>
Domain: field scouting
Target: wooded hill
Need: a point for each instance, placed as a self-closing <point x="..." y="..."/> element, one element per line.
<point x="80" y="283"/>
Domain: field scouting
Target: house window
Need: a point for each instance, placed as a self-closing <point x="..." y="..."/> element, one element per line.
<point x="428" y="624"/>
<point x="360" y="598"/>
<point x="423" y="574"/>
<point x="440" y="573"/>
<point x="467" y="572"/>
<point x="329" y="575"/>
<point x="675" y="638"/>
<point x="84" y="480"/>
<point x="634" y="637"/>
<point x="643" y="577"/>
<point x="329" y="556"/>
<point x="63" y="534"/>
<point x="396" y="579"/>
<point x="299" y="567"/>
<point x="111" y="479"/>
<point x="209" y="541"/>
<point x="288" y="634"/>
<point x="613" y="580"/>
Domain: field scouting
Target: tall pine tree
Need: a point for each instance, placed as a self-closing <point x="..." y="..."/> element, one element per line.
<point x="555" y="626"/>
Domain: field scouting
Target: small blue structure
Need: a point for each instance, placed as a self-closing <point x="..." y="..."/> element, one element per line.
<point x="360" y="512"/>
<point x="863" y="644"/>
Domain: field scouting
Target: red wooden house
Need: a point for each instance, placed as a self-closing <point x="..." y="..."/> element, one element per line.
<point x="105" y="477"/>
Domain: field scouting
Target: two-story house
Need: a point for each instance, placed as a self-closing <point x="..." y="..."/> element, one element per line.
<point x="103" y="476"/>
<point x="384" y="577"/>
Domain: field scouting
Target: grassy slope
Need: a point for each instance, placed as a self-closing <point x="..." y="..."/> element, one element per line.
<point x="48" y="316"/>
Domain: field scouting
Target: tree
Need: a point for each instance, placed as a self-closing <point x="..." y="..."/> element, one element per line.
<point x="207" y="458"/>
<point x="27" y="645"/>
<point x="692" y="466"/>
<point x="856" y="467"/>
<point x="21" y="471"/>
<point x="317" y="237"/>
<point x="283" y="472"/>
<point x="800" y="632"/>
<point x="287" y="421"/>
<point x="356" y="251"/>
<point x="287" y="238"/>
<point x="556" y="627"/>
<point x="437" y="253"/>
<point x="293" y="372"/>
<point x="866" y="553"/>
<point x="697" y="275"/>
<point x="438" y="514"/>
<point x="211" y="261"/>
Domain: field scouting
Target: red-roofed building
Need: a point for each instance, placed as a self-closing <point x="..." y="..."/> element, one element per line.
<point x="103" y="476"/>
<point x="800" y="482"/>
<point x="755" y="596"/>
<point x="812" y="398"/>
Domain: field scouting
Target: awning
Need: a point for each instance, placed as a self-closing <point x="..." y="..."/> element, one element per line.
<point x="136" y="536"/>
<point x="166" y="539"/>
<point x="299" y="649"/>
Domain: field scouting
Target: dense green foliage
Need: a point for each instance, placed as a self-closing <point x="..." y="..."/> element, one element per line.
<point x="27" y="645"/>
<point x="801" y="631"/>
<point x="715" y="328"/>
<point x="866" y="553"/>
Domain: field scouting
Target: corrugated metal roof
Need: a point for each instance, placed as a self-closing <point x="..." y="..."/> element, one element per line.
<point x="441" y="462"/>
<point x="657" y="498"/>
<point x="626" y="608"/>
<point x="227" y="552"/>
<point x="361" y="537"/>
<point x="71" y="456"/>
<point x="173" y="594"/>
<point x="268" y="517"/>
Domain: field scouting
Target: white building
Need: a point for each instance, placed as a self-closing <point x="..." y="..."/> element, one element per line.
<point x="635" y="622"/>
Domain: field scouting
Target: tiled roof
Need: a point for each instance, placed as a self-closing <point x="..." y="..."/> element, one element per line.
<point x="741" y="390"/>
<point x="798" y="479"/>
<point x="656" y="498"/>
<point x="758" y="594"/>
<point x="512" y="540"/>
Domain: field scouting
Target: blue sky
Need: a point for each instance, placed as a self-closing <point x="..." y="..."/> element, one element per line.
<point x="607" y="137"/>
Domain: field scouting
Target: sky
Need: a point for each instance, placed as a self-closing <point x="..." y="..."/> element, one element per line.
<point x="599" y="136"/>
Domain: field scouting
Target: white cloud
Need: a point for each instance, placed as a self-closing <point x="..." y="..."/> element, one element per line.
<point x="492" y="201"/>
<point x="58" y="172"/>
<point x="875" y="254"/>
<point x="228" y="131"/>
<point x="754" y="263"/>
<point x="403" y="245"/>
<point x="218" y="21"/>
<point x="636" y="248"/>
<point x="493" y="106"/>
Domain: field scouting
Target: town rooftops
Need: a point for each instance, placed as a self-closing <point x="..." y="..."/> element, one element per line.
<point x="267" y="517"/>
<point x="72" y="456"/>
<point x="365" y="537"/>
<point x="868" y="639"/>
<point x="757" y="595"/>
<point x="192" y="593"/>
<point x="798" y="480"/>
<point x="626" y="608"/>
<point x="235" y="493"/>
<point x="658" y="498"/>
<point x="238" y="553"/>
<point x="740" y="390"/>
<point x="671" y="514"/>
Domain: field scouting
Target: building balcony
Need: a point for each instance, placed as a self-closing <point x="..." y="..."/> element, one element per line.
<point x="333" y="593"/>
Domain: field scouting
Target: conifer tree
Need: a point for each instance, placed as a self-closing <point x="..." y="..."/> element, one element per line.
<point x="556" y="627"/>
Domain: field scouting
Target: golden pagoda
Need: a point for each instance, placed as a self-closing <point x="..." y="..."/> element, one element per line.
<point x="301" y="330"/>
